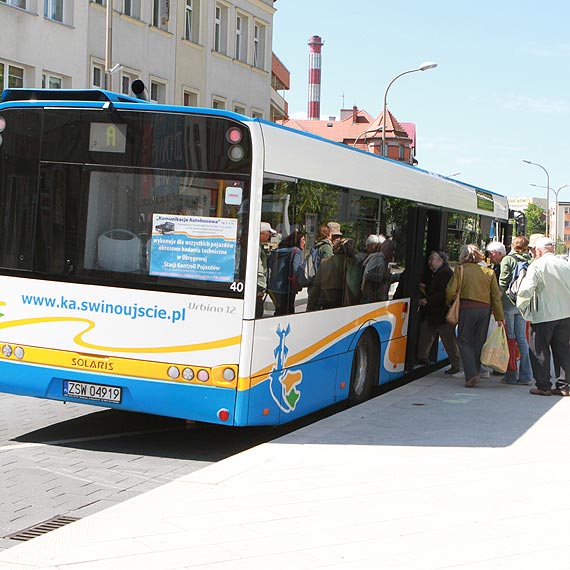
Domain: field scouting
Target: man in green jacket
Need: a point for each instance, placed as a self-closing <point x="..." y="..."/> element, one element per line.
<point x="544" y="300"/>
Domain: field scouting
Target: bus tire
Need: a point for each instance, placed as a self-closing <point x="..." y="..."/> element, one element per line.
<point x="364" y="369"/>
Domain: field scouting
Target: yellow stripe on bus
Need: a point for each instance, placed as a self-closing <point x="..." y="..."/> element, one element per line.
<point x="78" y="339"/>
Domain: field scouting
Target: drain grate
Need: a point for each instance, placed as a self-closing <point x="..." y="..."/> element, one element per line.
<point x="42" y="528"/>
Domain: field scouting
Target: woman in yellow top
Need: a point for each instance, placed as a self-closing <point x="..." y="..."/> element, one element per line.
<point x="479" y="294"/>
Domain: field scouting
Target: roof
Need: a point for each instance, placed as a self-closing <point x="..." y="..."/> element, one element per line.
<point x="350" y="130"/>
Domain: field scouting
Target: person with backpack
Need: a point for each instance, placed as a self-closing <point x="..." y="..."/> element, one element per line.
<point x="321" y="250"/>
<point x="338" y="279"/>
<point x="284" y="263"/>
<point x="513" y="270"/>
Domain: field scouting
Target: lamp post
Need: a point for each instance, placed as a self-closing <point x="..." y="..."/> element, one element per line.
<point x="109" y="45"/>
<point x="375" y="130"/>
<point x="423" y="67"/>
<point x="555" y="209"/>
<point x="547" y="227"/>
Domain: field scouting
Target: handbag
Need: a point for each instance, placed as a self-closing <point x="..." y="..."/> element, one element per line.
<point x="452" y="316"/>
<point x="495" y="352"/>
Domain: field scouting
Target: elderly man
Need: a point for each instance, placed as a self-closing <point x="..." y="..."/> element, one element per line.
<point x="544" y="300"/>
<point x="496" y="251"/>
<point x="435" y="309"/>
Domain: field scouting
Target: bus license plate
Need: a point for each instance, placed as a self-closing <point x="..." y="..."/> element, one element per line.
<point x="96" y="392"/>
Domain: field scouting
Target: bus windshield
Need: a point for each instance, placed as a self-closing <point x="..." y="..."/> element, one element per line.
<point x="132" y="198"/>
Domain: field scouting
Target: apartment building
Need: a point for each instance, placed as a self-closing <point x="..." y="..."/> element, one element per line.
<point x="211" y="53"/>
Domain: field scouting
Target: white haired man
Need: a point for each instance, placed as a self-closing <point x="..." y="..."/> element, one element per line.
<point x="496" y="251"/>
<point x="544" y="300"/>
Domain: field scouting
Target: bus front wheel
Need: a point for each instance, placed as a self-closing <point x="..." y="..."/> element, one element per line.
<point x="364" y="369"/>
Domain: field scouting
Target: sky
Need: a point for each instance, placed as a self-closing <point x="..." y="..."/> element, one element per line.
<point x="500" y="93"/>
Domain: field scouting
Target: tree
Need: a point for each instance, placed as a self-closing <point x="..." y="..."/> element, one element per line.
<point x="535" y="220"/>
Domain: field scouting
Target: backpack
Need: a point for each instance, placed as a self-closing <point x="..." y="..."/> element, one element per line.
<point x="518" y="275"/>
<point x="309" y="268"/>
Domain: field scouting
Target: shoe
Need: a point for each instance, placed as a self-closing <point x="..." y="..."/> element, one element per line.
<point x="484" y="375"/>
<point x="511" y="382"/>
<point x="452" y="370"/>
<point x="460" y="375"/>
<point x="497" y="373"/>
<point x="539" y="392"/>
<point x="472" y="381"/>
<point x="560" y="392"/>
<point x="423" y="362"/>
<point x="523" y="382"/>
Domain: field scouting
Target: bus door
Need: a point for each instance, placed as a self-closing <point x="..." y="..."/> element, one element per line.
<point x="426" y="233"/>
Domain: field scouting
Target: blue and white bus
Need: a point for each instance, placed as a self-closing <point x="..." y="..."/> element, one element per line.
<point x="129" y="251"/>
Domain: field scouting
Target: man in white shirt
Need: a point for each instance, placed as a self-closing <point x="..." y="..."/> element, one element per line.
<point x="544" y="300"/>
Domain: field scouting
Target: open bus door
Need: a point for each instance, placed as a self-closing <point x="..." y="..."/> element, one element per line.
<point x="426" y="233"/>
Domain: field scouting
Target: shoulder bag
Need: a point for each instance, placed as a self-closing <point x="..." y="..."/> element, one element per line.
<point x="452" y="316"/>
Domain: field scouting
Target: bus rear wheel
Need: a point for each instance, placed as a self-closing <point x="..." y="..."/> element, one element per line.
<point x="364" y="369"/>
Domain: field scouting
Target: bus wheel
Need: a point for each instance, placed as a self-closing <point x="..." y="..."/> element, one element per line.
<point x="364" y="367"/>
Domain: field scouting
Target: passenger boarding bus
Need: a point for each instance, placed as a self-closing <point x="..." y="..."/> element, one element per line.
<point x="130" y="250"/>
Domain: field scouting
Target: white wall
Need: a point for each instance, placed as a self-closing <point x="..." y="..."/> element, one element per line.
<point x="68" y="49"/>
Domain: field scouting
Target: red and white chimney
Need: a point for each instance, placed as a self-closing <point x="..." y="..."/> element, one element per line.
<point x="314" y="109"/>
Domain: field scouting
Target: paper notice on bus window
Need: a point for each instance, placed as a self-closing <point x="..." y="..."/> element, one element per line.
<point x="193" y="247"/>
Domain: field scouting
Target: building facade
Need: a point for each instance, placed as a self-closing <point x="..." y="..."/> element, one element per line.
<point x="211" y="53"/>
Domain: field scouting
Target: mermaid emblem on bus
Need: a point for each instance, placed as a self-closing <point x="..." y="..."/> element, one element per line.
<point x="282" y="382"/>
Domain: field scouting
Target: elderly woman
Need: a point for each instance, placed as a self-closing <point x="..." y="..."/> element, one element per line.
<point x="478" y="293"/>
<point x="516" y="324"/>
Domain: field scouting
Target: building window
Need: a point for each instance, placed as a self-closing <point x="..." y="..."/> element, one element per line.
<point x="239" y="109"/>
<point x="160" y="14"/>
<point x="218" y="103"/>
<point x="132" y="8"/>
<point x="14" y="77"/>
<point x="242" y="27"/>
<point x="567" y="210"/>
<point x="126" y="82"/>
<point x="53" y="9"/>
<point x="220" y="28"/>
<point x="51" y="81"/>
<point x="259" y="46"/>
<point x="567" y="223"/>
<point x="15" y="3"/>
<point x="190" y="98"/>
<point x="192" y="21"/>
<point x="256" y="114"/>
<point x="100" y="2"/>
<point x="157" y="92"/>
<point x="239" y="48"/>
<point x="98" y="75"/>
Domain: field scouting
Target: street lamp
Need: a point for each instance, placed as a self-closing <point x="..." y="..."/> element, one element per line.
<point x="547" y="228"/>
<point x="423" y="67"/>
<point x="375" y="130"/>
<point x="555" y="208"/>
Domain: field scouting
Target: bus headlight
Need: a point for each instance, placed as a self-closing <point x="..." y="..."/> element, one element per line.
<point x="188" y="374"/>
<point x="173" y="372"/>
<point x="229" y="374"/>
<point x="19" y="352"/>
<point x="203" y="375"/>
<point x="7" y="350"/>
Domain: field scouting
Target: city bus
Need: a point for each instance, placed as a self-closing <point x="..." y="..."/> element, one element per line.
<point x="130" y="248"/>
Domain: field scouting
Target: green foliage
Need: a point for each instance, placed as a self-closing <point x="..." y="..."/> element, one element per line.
<point x="311" y="198"/>
<point x="535" y="220"/>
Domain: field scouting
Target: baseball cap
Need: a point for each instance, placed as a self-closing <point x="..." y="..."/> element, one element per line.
<point x="266" y="227"/>
<point x="532" y="239"/>
<point x="334" y="227"/>
<point x="543" y="242"/>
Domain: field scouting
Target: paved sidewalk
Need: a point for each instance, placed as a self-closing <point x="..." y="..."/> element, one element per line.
<point x="428" y="476"/>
